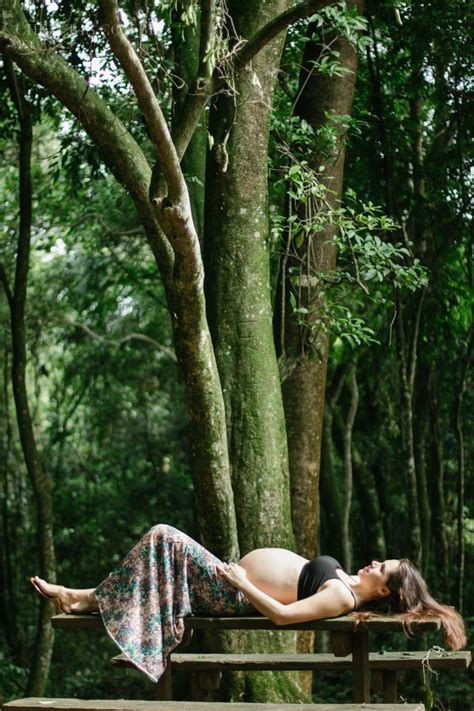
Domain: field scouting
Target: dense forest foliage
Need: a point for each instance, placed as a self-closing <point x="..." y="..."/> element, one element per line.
<point x="236" y="297"/>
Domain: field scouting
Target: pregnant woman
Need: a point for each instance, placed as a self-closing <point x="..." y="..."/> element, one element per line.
<point x="168" y="576"/>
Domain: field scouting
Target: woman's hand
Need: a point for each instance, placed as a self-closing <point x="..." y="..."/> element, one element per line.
<point x="234" y="573"/>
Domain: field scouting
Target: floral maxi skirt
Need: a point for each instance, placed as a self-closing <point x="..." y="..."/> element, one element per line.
<point x="165" y="577"/>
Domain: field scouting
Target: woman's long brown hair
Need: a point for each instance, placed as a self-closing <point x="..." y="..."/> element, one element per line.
<point x="410" y="598"/>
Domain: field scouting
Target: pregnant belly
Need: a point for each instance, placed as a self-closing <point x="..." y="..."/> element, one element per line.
<point x="275" y="571"/>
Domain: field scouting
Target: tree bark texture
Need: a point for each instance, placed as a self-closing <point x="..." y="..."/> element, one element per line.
<point x="40" y="480"/>
<point x="304" y="379"/>
<point x="238" y="292"/>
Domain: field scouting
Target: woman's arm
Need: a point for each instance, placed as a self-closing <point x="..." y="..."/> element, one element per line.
<point x="330" y="602"/>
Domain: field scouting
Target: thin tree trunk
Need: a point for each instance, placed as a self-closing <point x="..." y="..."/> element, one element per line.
<point x="420" y="432"/>
<point x="14" y="636"/>
<point x="186" y="45"/>
<point x="438" y="500"/>
<point x="407" y="356"/>
<point x="369" y="504"/>
<point x="304" y="355"/>
<point x="438" y="490"/>
<point x="348" y="478"/>
<point x="458" y="399"/>
<point x="40" y="480"/>
<point x="330" y="495"/>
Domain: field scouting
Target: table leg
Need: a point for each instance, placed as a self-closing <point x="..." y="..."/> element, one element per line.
<point x="163" y="685"/>
<point x="341" y="643"/>
<point x="390" y="692"/>
<point x="360" y="666"/>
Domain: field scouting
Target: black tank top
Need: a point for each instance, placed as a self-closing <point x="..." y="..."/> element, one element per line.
<point x="315" y="573"/>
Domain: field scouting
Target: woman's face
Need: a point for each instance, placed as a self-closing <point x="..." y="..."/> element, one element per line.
<point x="375" y="575"/>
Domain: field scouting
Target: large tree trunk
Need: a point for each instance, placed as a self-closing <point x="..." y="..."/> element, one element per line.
<point x="41" y="482"/>
<point x="238" y="291"/>
<point x="240" y="317"/>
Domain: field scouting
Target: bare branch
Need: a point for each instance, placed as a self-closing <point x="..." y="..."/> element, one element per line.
<point x="169" y="352"/>
<point x="100" y="219"/>
<point x="159" y="131"/>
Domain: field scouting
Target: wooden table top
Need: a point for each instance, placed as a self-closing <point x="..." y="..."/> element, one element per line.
<point x="346" y="623"/>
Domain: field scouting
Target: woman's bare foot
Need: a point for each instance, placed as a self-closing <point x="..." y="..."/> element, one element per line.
<point x="66" y="600"/>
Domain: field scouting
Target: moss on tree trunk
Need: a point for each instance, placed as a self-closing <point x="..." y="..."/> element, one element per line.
<point x="238" y="292"/>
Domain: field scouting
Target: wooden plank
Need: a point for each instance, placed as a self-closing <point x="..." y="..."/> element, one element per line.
<point x="337" y="624"/>
<point x="77" y="622"/>
<point x="413" y="660"/>
<point x="34" y="704"/>
<point x="307" y="662"/>
<point x="250" y="662"/>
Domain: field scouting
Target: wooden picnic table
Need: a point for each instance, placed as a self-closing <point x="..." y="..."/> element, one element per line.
<point x="348" y="635"/>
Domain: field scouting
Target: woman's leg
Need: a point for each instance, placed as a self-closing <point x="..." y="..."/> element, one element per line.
<point x="71" y="599"/>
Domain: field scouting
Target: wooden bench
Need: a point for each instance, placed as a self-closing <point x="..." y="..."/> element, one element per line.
<point x="348" y="635"/>
<point x="36" y="704"/>
<point x="383" y="666"/>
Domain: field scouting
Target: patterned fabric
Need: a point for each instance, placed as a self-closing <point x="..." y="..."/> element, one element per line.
<point x="165" y="577"/>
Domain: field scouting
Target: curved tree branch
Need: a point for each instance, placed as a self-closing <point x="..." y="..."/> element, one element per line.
<point x="269" y="31"/>
<point x="169" y="352"/>
<point x="134" y="70"/>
